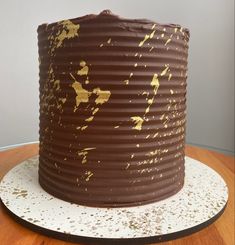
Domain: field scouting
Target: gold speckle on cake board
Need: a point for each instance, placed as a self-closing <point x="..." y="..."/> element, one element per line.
<point x="20" y="193"/>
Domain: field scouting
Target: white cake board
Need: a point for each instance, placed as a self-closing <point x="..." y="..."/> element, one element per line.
<point x="199" y="203"/>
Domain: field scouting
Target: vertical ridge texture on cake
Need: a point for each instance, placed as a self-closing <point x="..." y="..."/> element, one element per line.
<point x="112" y="109"/>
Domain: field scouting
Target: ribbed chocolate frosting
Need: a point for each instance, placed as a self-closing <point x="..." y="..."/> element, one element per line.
<point x="112" y="109"/>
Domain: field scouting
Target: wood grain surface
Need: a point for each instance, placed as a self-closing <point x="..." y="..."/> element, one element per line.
<point x="219" y="233"/>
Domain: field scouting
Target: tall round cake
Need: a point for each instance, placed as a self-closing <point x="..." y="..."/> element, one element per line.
<point x="112" y="109"/>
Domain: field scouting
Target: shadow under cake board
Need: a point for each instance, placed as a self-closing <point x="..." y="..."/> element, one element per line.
<point x="196" y="173"/>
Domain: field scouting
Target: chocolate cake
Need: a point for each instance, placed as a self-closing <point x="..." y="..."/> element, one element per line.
<point x="112" y="109"/>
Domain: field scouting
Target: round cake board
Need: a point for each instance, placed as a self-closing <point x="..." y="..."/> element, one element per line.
<point x="199" y="203"/>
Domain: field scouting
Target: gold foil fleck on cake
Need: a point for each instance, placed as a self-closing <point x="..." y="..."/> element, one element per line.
<point x="57" y="84"/>
<point x="168" y="40"/>
<point x="138" y="121"/>
<point x="126" y="81"/>
<point x="103" y="95"/>
<point x="155" y="83"/>
<point x="145" y="39"/>
<point x="155" y="135"/>
<point x="95" y="111"/>
<point x="83" y="153"/>
<point x="101" y="45"/>
<point x="162" y="35"/>
<point x="83" y="71"/>
<point x="150" y="36"/>
<point x="153" y="26"/>
<point x="135" y="65"/>
<point x="165" y="71"/>
<point x="162" y="116"/>
<point x="117" y="126"/>
<point x="82" y="63"/>
<point x="89" y="174"/>
<point x="67" y="29"/>
<point x="89" y="119"/>
<point x="84" y="127"/>
<point x="169" y="77"/>
<point x="132" y="156"/>
<point x="63" y="100"/>
<point x="127" y="166"/>
<point x="82" y="94"/>
<point x="109" y="40"/>
<point x="138" y="145"/>
<point x="171" y="91"/>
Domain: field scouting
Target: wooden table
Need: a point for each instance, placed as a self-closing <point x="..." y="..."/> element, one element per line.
<point x="220" y="232"/>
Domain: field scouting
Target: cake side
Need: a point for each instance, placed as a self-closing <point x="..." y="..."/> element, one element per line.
<point x="112" y="109"/>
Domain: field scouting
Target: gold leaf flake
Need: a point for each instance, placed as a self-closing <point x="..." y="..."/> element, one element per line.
<point x="103" y="95"/>
<point x="151" y="35"/>
<point x="84" y="127"/>
<point x="57" y="84"/>
<point x="69" y="30"/>
<point x="138" y="121"/>
<point x="90" y="119"/>
<point x="169" y="77"/>
<point x="82" y="63"/>
<point x="165" y="71"/>
<point x="89" y="174"/>
<point x="83" y="71"/>
<point x="168" y="40"/>
<point x="155" y="83"/>
<point x="95" y="111"/>
<point x="82" y="94"/>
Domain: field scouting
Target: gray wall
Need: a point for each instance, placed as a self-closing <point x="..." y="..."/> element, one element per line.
<point x="211" y="61"/>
